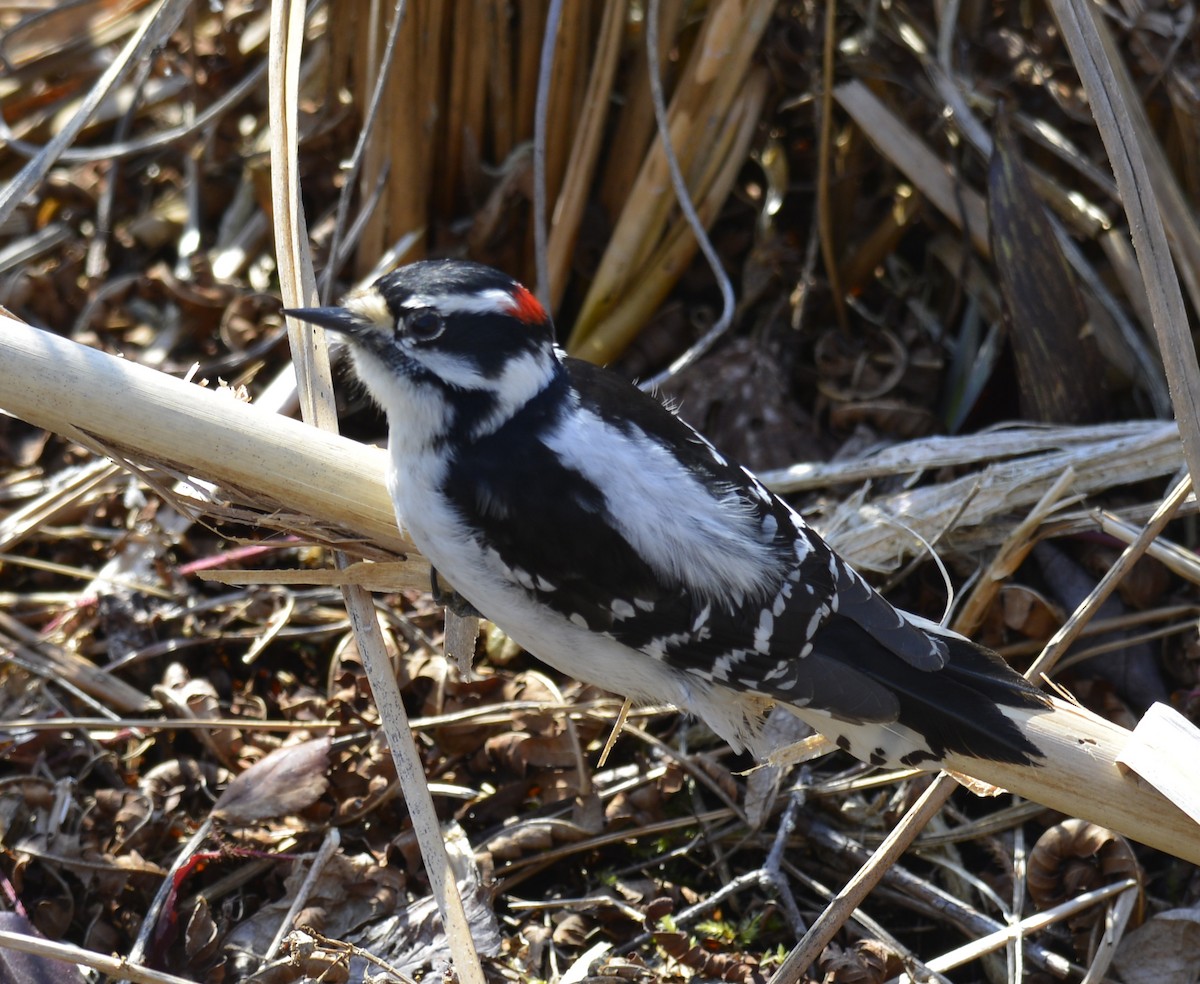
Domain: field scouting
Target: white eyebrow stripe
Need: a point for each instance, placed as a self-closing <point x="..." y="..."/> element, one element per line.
<point x="484" y="302"/>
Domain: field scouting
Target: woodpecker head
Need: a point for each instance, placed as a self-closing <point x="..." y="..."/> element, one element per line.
<point x="445" y="346"/>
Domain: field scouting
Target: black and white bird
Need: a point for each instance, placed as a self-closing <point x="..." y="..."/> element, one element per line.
<point x="612" y="541"/>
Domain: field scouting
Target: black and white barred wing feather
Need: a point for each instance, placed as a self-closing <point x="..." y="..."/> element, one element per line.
<point x="721" y="580"/>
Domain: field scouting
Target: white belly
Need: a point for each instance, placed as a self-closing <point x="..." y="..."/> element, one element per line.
<point x="480" y="577"/>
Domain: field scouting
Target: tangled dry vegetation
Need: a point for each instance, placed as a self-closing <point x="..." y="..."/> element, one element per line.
<point x="924" y="239"/>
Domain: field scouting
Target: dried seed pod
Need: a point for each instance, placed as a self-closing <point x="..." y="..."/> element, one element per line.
<point x="1074" y="857"/>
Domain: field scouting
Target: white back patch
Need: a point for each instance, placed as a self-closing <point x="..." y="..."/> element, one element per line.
<point x="711" y="543"/>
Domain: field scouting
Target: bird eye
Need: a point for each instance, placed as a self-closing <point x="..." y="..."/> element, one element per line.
<point x="424" y="326"/>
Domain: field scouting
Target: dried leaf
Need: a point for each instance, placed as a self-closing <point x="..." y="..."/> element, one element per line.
<point x="1075" y="857"/>
<point x="1163" y="951"/>
<point x="413" y="936"/>
<point x="866" y="962"/>
<point x="1046" y="317"/>
<point x="1028" y="612"/>
<point x="284" y="782"/>
<point x="30" y="968"/>
<point x="200" y="936"/>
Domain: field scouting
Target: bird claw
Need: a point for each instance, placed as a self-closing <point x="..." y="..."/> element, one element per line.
<point x="449" y="598"/>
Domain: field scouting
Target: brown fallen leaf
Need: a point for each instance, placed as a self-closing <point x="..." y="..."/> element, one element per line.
<point x="284" y="782"/>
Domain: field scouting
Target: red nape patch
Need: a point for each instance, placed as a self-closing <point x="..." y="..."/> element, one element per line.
<point x="525" y="307"/>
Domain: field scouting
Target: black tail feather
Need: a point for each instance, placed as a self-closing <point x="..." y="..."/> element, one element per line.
<point x="955" y="709"/>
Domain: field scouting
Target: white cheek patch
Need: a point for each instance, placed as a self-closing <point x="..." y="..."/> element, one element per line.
<point x="457" y="370"/>
<point x="417" y="414"/>
<point x="522" y="379"/>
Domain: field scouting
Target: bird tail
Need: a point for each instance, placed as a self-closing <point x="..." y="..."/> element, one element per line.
<point x="995" y="734"/>
<point x="964" y="707"/>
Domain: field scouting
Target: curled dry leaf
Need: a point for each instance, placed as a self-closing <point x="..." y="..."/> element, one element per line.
<point x="519" y="752"/>
<point x="659" y="908"/>
<point x="130" y="811"/>
<point x="866" y="962"/>
<point x="350" y="891"/>
<point x="532" y="837"/>
<point x="573" y="929"/>
<point x="1029" y="612"/>
<point x="707" y="964"/>
<point x="201" y="935"/>
<point x="1074" y="857"/>
<point x="622" y="969"/>
<point x="646" y="803"/>
<point x="313" y="959"/>
<point x="286" y="781"/>
<point x="195" y="697"/>
<point x="168" y="784"/>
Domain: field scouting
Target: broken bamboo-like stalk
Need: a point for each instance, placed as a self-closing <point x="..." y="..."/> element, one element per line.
<point x="1079" y="776"/>
<point x="148" y="417"/>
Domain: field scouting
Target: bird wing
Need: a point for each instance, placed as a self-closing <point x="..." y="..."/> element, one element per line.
<point x="808" y="630"/>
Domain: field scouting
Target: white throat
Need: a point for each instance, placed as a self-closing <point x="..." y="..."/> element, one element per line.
<point x="418" y="415"/>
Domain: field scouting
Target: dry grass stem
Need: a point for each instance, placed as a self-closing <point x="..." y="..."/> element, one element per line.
<point x="713" y="76"/>
<point x="262" y="459"/>
<point x="1095" y="59"/>
<point x="932" y="178"/>
<point x="310" y="356"/>
<point x="581" y="168"/>
<point x="115" y="967"/>
<point x="1030" y="924"/>
<point x="643" y="288"/>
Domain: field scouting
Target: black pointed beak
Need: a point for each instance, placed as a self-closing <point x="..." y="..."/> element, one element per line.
<point x="334" y="318"/>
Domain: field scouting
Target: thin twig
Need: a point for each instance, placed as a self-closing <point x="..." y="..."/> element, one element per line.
<point x="116" y="967"/>
<point x="541" y="232"/>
